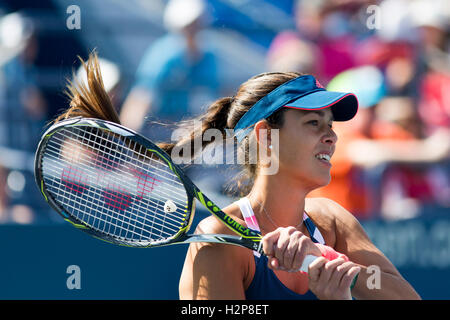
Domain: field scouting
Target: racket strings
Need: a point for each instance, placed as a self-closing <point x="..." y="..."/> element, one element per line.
<point x="97" y="219"/>
<point x="91" y="206"/>
<point x="158" y="165"/>
<point x="180" y="201"/>
<point x="54" y="151"/>
<point x="98" y="195"/>
<point x="159" y="169"/>
<point x="115" y="155"/>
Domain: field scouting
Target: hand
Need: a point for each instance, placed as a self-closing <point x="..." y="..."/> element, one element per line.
<point x="331" y="280"/>
<point x="287" y="247"/>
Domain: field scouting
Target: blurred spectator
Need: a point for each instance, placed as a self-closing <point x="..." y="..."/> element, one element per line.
<point x="434" y="103"/>
<point x="431" y="23"/>
<point x="407" y="186"/>
<point x="325" y="39"/>
<point x="290" y="53"/>
<point x="397" y="59"/>
<point x="23" y="114"/>
<point x="177" y="75"/>
<point x="23" y="108"/>
<point x="412" y="168"/>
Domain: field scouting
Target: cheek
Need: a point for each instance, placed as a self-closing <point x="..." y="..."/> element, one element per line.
<point x="295" y="154"/>
<point x="296" y="151"/>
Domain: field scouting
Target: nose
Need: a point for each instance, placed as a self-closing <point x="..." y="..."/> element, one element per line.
<point x="330" y="137"/>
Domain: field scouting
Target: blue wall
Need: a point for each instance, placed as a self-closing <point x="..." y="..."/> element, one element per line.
<point x="35" y="258"/>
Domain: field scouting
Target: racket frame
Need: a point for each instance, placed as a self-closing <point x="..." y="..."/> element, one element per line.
<point x="247" y="238"/>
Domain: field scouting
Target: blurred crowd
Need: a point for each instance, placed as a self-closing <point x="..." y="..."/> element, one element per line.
<point x="392" y="159"/>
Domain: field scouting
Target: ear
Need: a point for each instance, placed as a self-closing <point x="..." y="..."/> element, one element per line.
<point x="262" y="132"/>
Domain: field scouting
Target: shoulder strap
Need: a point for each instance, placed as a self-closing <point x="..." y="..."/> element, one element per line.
<point x="316" y="236"/>
<point x="247" y="213"/>
<point x="249" y="217"/>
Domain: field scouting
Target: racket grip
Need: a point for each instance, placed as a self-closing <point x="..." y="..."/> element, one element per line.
<point x="306" y="262"/>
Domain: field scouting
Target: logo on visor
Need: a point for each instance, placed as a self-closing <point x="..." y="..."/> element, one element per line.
<point x="318" y="85"/>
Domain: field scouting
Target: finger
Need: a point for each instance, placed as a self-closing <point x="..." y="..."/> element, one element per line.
<point x="349" y="276"/>
<point x="282" y="243"/>
<point x="272" y="263"/>
<point x="327" y="272"/>
<point x="315" y="269"/>
<point x="268" y="242"/>
<point x="293" y="251"/>
<point x="339" y="272"/>
<point x="302" y="251"/>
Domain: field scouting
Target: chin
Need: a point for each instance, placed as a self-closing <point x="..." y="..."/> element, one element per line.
<point x="317" y="182"/>
<point x="323" y="181"/>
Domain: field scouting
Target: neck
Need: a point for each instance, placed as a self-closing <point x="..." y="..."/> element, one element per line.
<point x="191" y="43"/>
<point x="282" y="199"/>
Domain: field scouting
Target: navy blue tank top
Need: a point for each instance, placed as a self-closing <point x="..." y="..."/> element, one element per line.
<point x="265" y="284"/>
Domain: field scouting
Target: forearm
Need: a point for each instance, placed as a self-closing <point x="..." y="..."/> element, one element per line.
<point x="375" y="284"/>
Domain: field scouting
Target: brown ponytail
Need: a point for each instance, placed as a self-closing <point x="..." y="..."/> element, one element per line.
<point x="214" y="118"/>
<point x="89" y="100"/>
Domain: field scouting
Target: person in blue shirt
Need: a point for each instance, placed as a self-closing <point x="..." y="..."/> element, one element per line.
<point x="177" y="75"/>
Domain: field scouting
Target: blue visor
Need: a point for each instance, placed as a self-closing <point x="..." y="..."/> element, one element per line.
<point x="304" y="93"/>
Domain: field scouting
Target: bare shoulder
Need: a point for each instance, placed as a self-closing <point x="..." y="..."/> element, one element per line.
<point x="330" y="211"/>
<point x="212" y="224"/>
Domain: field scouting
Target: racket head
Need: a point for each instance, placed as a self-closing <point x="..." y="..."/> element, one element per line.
<point x="114" y="184"/>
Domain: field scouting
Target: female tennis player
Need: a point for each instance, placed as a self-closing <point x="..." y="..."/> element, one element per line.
<point x="276" y="204"/>
<point x="293" y="225"/>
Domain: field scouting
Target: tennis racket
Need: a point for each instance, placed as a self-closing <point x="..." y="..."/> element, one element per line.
<point x="118" y="186"/>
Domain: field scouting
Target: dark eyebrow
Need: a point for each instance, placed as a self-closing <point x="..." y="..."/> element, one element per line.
<point x="321" y="113"/>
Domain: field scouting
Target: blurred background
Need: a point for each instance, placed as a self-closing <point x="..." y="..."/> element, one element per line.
<point x="166" y="60"/>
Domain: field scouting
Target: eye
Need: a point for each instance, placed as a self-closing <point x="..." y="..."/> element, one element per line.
<point x="314" y="122"/>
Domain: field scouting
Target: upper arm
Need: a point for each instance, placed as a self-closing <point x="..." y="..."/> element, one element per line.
<point x="213" y="271"/>
<point x="210" y="272"/>
<point x="353" y="241"/>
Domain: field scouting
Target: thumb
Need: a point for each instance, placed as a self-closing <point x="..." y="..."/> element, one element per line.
<point x="273" y="263"/>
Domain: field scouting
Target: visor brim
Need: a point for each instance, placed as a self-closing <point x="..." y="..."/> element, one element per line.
<point x="343" y="105"/>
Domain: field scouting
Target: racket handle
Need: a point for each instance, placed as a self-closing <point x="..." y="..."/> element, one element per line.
<point x="306" y="262"/>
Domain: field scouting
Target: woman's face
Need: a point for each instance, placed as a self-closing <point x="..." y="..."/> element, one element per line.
<point x="306" y="144"/>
